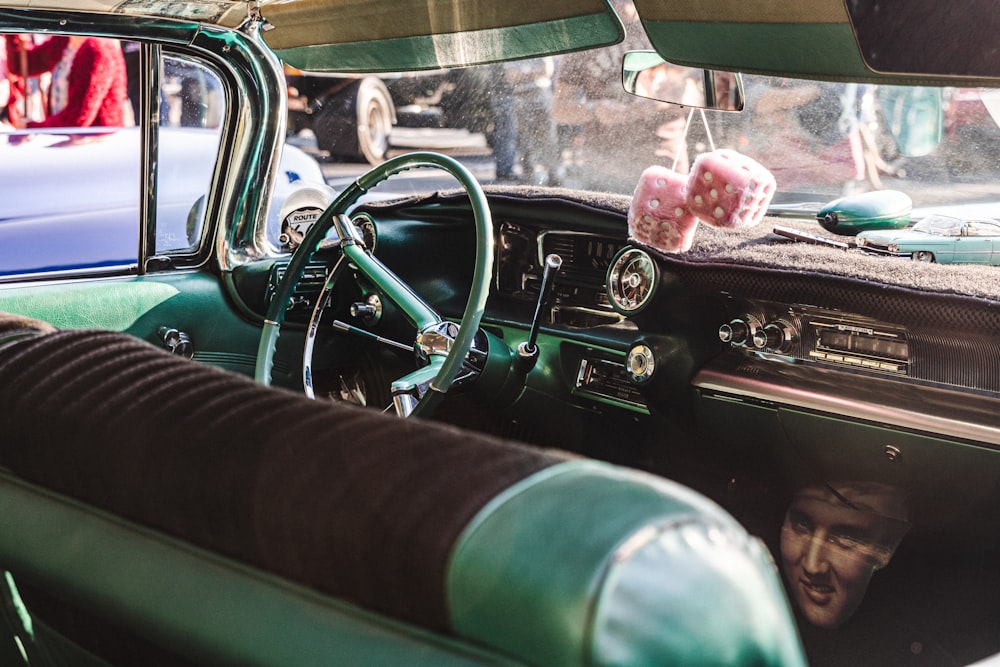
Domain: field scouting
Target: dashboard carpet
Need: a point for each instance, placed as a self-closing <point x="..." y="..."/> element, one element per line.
<point x="756" y="246"/>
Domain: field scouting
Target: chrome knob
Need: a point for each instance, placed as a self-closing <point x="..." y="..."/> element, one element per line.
<point x="735" y="332"/>
<point x="177" y="342"/>
<point x="640" y="363"/>
<point x="369" y="310"/>
<point x="774" y="337"/>
<point x="364" y="310"/>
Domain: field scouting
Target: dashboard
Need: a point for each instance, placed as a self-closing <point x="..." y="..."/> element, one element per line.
<point x="606" y="283"/>
<point x="628" y="321"/>
<point x="737" y="377"/>
<point x="745" y="351"/>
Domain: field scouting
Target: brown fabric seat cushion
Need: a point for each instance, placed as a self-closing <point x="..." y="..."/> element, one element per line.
<point x="353" y="503"/>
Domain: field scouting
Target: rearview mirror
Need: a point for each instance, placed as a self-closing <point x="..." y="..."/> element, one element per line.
<point x="646" y="74"/>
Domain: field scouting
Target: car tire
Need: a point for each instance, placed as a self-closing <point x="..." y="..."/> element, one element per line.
<point x="923" y="256"/>
<point x="355" y="123"/>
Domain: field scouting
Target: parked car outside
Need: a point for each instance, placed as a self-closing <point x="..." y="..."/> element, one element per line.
<point x="939" y="238"/>
<point x="352" y="116"/>
<point x="90" y="220"/>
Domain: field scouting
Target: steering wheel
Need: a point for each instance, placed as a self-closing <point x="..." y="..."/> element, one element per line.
<point x="440" y="348"/>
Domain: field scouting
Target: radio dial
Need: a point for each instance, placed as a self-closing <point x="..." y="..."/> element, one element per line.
<point x="735" y="332"/>
<point x="774" y="337"/>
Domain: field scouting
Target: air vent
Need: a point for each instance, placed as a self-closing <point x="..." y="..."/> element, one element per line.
<point x="585" y="256"/>
<point x="304" y="295"/>
<point x="562" y="245"/>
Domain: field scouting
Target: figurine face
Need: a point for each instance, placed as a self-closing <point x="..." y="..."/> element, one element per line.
<point x="829" y="552"/>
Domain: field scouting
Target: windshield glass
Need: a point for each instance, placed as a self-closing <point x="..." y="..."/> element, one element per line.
<point x="941" y="225"/>
<point x="567" y="121"/>
<point x="820" y="140"/>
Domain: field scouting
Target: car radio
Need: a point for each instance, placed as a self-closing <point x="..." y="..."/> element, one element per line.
<point x="851" y="343"/>
<point x="606" y="380"/>
<point x="812" y="334"/>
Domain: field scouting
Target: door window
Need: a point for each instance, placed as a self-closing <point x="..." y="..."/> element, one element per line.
<point x="70" y="154"/>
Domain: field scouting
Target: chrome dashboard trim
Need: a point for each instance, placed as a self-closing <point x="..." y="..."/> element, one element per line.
<point x="540" y="240"/>
<point x="941" y="413"/>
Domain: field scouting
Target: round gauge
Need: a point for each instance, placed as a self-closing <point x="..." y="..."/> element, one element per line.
<point x="632" y="280"/>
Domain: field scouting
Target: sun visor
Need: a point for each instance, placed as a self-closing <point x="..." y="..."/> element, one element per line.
<point x="398" y="35"/>
<point x="810" y="39"/>
<point x="929" y="36"/>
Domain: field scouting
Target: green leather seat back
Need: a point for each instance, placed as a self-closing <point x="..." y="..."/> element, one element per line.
<point x="584" y="563"/>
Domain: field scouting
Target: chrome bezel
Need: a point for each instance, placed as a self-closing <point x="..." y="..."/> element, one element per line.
<point x="636" y="267"/>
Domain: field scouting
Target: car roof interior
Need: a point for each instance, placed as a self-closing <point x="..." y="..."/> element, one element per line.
<point x="394" y="35"/>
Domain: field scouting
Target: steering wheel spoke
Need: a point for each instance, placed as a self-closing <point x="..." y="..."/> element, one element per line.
<point x="409" y="390"/>
<point x="448" y="346"/>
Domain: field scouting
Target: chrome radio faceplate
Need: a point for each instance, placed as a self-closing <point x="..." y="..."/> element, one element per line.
<point x="853" y="343"/>
<point x="811" y="334"/>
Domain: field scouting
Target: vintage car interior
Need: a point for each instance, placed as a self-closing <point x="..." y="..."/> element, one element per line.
<point x="387" y="421"/>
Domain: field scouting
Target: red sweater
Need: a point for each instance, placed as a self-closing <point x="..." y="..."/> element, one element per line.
<point x="97" y="83"/>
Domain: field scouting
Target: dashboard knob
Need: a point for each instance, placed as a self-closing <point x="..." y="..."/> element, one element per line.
<point x="177" y="342"/>
<point x="363" y="310"/>
<point x="640" y="363"/>
<point x="735" y="332"/>
<point x="774" y="337"/>
<point x="369" y="310"/>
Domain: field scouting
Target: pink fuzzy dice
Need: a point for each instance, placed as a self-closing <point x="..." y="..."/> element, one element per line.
<point x="658" y="215"/>
<point x="729" y="189"/>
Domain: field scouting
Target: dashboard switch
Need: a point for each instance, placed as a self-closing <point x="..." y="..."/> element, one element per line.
<point x="369" y="310"/>
<point x="177" y="342"/>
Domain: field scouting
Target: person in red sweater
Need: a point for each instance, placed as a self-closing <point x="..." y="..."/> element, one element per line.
<point x="89" y="84"/>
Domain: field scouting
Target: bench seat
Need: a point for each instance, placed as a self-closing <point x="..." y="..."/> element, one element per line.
<point x="229" y="523"/>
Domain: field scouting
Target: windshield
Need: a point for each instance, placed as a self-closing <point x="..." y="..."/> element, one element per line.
<point x="940" y="225"/>
<point x="567" y="121"/>
<point x="820" y="140"/>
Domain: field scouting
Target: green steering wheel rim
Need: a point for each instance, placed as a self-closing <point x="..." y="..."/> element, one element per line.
<point x="478" y="293"/>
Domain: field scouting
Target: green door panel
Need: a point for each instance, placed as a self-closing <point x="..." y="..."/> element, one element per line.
<point x="192" y="302"/>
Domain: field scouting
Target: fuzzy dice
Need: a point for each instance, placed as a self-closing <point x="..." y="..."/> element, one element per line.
<point x="728" y="189"/>
<point x="658" y="215"/>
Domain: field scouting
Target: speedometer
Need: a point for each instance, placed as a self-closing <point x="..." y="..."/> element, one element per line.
<point x="632" y="280"/>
